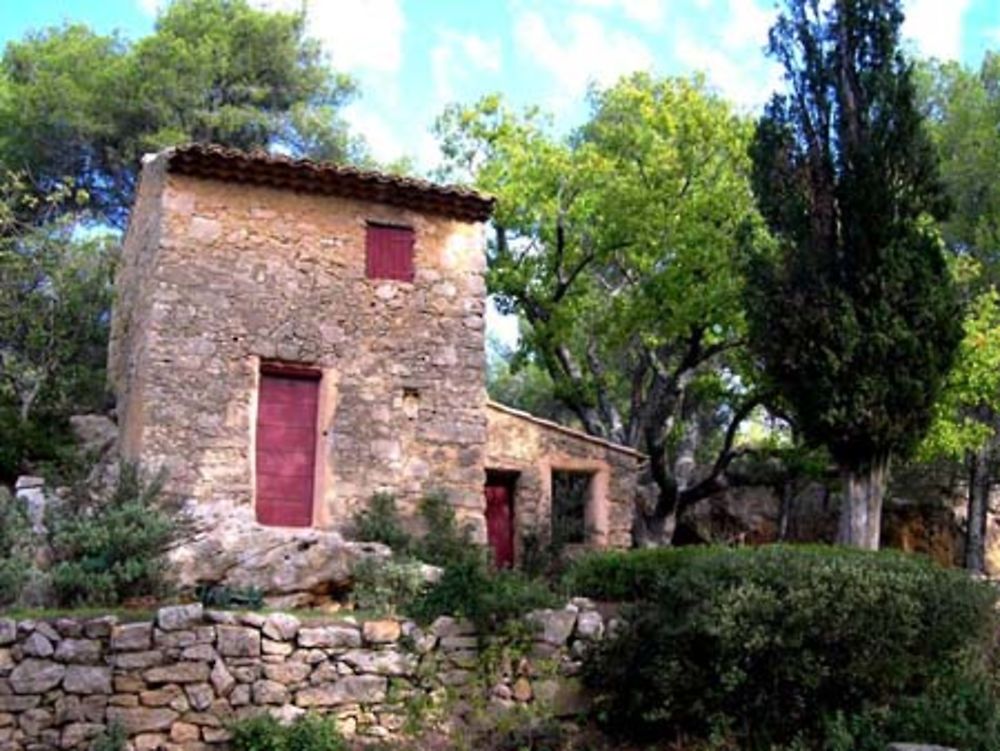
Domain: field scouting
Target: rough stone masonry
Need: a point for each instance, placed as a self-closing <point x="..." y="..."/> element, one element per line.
<point x="178" y="682"/>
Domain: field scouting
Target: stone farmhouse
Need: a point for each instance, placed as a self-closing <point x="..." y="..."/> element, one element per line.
<point x="291" y="337"/>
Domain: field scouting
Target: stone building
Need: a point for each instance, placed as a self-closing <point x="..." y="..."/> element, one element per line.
<point x="290" y="337"/>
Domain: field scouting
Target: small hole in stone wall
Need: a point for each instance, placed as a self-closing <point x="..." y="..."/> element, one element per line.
<point x="411" y="402"/>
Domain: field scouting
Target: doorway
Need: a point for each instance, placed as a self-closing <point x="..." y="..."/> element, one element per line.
<point x="500" y="516"/>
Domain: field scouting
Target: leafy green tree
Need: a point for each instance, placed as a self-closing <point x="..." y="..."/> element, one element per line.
<point x="852" y="311"/>
<point x="76" y="104"/>
<point x="962" y="107"/>
<point x="616" y="247"/>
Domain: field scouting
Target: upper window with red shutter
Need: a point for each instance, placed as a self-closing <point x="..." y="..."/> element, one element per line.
<point x="389" y="252"/>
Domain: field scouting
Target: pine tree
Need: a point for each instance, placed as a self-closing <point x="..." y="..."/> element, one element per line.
<point x="852" y="312"/>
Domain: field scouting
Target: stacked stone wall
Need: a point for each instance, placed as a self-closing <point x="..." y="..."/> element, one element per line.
<point x="180" y="681"/>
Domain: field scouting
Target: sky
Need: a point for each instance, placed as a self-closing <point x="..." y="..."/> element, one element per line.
<point x="413" y="57"/>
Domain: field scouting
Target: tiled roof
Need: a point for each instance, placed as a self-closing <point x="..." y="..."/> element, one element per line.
<point x="279" y="171"/>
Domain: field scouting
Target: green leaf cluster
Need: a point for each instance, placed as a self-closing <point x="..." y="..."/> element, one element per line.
<point x="802" y="648"/>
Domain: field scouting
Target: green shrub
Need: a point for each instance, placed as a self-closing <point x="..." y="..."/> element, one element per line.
<point x="15" y="547"/>
<point x="113" y="549"/>
<point x="386" y="586"/>
<point x="380" y="522"/>
<point x="224" y="597"/>
<point x="310" y="732"/>
<point x="626" y="575"/>
<point x="443" y="542"/>
<point x="489" y="598"/>
<point x="810" y="646"/>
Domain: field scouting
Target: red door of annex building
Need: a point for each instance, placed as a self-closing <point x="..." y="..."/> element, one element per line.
<point x="500" y="520"/>
<point x="286" y="446"/>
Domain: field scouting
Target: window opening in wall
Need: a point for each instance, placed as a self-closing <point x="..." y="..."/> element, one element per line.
<point x="411" y="402"/>
<point x="389" y="252"/>
<point x="571" y="492"/>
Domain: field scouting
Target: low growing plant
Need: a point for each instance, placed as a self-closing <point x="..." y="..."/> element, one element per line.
<point x="15" y="547"/>
<point x="380" y="522"/>
<point x="310" y="732"/>
<point x="112" y="549"/>
<point x="386" y="586"/>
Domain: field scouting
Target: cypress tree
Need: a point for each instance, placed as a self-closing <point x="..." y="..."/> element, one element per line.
<point x="852" y="312"/>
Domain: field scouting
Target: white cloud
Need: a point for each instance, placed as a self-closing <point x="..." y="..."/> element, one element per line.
<point x="747" y="24"/>
<point x="748" y="82"/>
<point x="585" y="50"/>
<point x="382" y="139"/>
<point x="150" y="7"/>
<point x="457" y="57"/>
<point x="936" y="26"/>
<point x="648" y="12"/>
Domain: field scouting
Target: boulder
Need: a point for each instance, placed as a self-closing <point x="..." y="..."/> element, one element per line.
<point x="330" y="637"/>
<point x="142" y="719"/>
<point x="281" y="626"/>
<point x="238" y="641"/>
<point x="225" y="546"/>
<point x="554" y="626"/>
<point x="81" y="651"/>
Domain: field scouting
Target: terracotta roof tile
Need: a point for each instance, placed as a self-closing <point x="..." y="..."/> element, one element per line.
<point x="279" y="171"/>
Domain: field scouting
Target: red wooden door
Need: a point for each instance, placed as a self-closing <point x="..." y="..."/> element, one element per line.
<point x="286" y="448"/>
<point x="500" y="524"/>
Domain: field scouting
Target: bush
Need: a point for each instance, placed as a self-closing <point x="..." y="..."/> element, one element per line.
<point x="113" y="549"/>
<point x="15" y="547"/>
<point x="386" y="586"/>
<point x="310" y="732"/>
<point x="443" y="542"/>
<point x="818" y="647"/>
<point x="490" y="599"/>
<point x="626" y="576"/>
<point x="380" y="522"/>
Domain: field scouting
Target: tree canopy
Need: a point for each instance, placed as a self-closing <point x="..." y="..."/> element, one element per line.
<point x="80" y="105"/>
<point x="854" y="314"/>
<point x="616" y="246"/>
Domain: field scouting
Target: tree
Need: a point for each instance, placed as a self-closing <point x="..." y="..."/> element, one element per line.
<point x="852" y="311"/>
<point x="56" y="291"/>
<point x="616" y="247"/>
<point x="966" y="415"/>
<point x="962" y="107"/>
<point x="76" y="104"/>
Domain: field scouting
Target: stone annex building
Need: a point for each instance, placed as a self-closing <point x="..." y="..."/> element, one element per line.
<point x="292" y="337"/>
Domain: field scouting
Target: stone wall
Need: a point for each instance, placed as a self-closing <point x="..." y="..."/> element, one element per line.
<point x="218" y="276"/>
<point x="527" y="449"/>
<point x="178" y="682"/>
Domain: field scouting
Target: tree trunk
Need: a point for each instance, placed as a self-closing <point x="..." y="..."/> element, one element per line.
<point x="979" y="504"/>
<point x="861" y="507"/>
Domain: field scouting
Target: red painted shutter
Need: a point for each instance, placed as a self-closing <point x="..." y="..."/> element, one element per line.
<point x="389" y="252"/>
<point x="286" y="447"/>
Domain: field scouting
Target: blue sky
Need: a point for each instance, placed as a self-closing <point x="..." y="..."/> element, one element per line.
<point x="411" y="57"/>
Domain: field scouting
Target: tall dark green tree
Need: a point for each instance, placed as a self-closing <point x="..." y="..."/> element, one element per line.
<point x="852" y="310"/>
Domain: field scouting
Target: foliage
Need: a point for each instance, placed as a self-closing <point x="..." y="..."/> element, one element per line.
<point x="851" y="309"/>
<point x="56" y="290"/>
<point x="491" y="599"/>
<point x="114" y="738"/>
<point x="15" y="547"/>
<point x="309" y="732"/>
<point x="963" y="415"/>
<point x="112" y="549"/>
<point x="443" y="543"/>
<point x="384" y="586"/>
<point x="87" y="106"/>
<point x="219" y="596"/>
<point x="786" y="645"/>
<point x="380" y="522"/>
<point x="616" y="247"/>
<point x="626" y="575"/>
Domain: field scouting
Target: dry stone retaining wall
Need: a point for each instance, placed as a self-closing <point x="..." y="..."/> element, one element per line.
<point x="178" y="682"/>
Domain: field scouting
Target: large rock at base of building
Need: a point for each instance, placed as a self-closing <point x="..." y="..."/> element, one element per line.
<point x="227" y="547"/>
